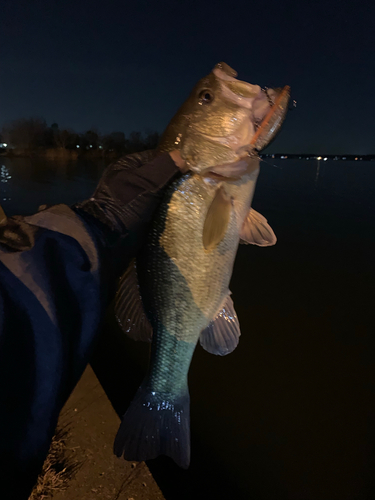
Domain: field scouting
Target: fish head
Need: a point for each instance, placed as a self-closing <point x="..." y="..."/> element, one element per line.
<point x="223" y="120"/>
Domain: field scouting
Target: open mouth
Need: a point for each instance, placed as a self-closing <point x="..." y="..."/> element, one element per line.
<point x="273" y="120"/>
<point x="248" y="142"/>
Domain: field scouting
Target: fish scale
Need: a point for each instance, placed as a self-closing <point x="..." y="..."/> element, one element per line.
<point x="183" y="286"/>
<point x="192" y="283"/>
<point x="186" y="265"/>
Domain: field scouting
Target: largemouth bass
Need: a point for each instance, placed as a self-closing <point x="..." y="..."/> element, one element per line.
<point x="185" y="268"/>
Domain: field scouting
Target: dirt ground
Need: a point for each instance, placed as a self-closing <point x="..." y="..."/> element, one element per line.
<point x="88" y="425"/>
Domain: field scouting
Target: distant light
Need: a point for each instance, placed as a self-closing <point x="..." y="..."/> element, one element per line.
<point x="343" y="158"/>
<point x="325" y="159"/>
<point x="299" y="157"/>
<point x="307" y="158"/>
<point x="90" y="145"/>
<point x="5" y="144"/>
<point x="319" y="158"/>
<point x="356" y="158"/>
<point x="77" y="146"/>
<point x="273" y="156"/>
<point x="100" y="147"/>
<point x="282" y="157"/>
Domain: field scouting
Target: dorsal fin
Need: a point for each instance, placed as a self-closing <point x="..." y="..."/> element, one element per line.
<point x="129" y="310"/>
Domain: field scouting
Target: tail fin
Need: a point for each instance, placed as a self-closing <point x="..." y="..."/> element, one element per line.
<point x="156" y="424"/>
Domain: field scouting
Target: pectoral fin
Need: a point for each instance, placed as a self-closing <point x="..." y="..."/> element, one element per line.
<point x="256" y="230"/>
<point x="129" y="310"/>
<point x="222" y="335"/>
<point x="217" y="219"/>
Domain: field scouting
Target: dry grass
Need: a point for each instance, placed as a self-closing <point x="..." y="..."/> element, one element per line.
<point x="58" y="469"/>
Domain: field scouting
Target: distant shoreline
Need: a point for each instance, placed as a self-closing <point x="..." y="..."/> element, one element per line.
<point x="303" y="156"/>
<point x="61" y="154"/>
<point x="71" y="154"/>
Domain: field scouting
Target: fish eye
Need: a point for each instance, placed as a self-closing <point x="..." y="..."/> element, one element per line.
<point x="205" y="96"/>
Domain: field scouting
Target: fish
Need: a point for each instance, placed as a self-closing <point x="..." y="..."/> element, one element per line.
<point x="176" y="292"/>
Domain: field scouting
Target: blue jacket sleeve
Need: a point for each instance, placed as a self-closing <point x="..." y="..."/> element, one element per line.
<point x="58" y="269"/>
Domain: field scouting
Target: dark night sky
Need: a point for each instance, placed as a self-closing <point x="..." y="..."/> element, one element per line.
<point x="129" y="65"/>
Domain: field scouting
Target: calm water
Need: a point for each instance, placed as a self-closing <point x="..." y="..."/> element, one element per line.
<point x="27" y="183"/>
<point x="289" y="414"/>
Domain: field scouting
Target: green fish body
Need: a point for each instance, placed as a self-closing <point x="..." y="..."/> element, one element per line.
<point x="184" y="272"/>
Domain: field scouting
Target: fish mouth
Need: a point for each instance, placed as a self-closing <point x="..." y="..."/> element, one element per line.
<point x="266" y="112"/>
<point x="251" y="139"/>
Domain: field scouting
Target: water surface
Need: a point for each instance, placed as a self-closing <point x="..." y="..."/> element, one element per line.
<point x="290" y="413"/>
<point x="26" y="183"/>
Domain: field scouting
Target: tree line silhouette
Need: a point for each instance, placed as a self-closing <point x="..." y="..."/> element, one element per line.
<point x="32" y="135"/>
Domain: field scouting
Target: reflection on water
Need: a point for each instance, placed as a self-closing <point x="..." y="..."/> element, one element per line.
<point x="5" y="175"/>
<point x="27" y="183"/>
<point x="4" y="178"/>
<point x="317" y="172"/>
<point x="317" y="183"/>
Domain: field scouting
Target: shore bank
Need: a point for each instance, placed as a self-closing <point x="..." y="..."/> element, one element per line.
<point x="91" y="425"/>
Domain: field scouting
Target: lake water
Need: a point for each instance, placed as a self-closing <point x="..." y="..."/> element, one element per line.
<point x="27" y="183"/>
<point x="290" y="413"/>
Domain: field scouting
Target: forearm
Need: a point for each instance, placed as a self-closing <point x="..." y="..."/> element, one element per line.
<point x="129" y="191"/>
<point x="121" y="208"/>
<point x="115" y="220"/>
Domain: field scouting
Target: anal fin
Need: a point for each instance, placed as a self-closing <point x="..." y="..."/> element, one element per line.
<point x="222" y="335"/>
